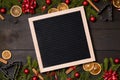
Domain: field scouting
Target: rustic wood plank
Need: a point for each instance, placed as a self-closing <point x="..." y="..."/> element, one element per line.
<point x="106" y="39"/>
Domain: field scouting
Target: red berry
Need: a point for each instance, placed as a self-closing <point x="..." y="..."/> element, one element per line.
<point x="26" y="71"/>
<point x="77" y="74"/>
<point x="67" y="1"/>
<point x="92" y="19"/>
<point x="48" y="2"/>
<point x="85" y="3"/>
<point x="2" y="10"/>
<point x="96" y="0"/>
<point x="34" y="78"/>
<point x="117" y="61"/>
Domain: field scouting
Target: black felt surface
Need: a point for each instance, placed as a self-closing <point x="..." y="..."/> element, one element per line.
<point x="61" y="39"/>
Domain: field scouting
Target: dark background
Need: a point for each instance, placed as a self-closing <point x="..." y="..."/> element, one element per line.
<point x="17" y="37"/>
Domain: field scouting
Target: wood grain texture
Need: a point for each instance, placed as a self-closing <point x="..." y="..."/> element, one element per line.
<point x="17" y="37"/>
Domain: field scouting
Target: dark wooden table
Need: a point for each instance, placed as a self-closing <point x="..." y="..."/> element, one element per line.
<point x="17" y="37"/>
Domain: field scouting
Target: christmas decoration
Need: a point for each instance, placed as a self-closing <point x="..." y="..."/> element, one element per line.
<point x="108" y="70"/>
<point x="48" y="2"/>
<point x="96" y="0"/>
<point x="116" y="3"/>
<point x="62" y="6"/>
<point x="69" y="78"/>
<point x="67" y="2"/>
<point x="6" y="54"/>
<point x="29" y="65"/>
<point x="34" y="78"/>
<point x="3" y="61"/>
<point x="1" y="17"/>
<point x="37" y="73"/>
<point x="88" y="66"/>
<point x="52" y="10"/>
<point x="28" y="6"/>
<point x="91" y="3"/>
<point x="92" y="19"/>
<point x="77" y="75"/>
<point x="43" y="8"/>
<point x="2" y="10"/>
<point x="70" y="69"/>
<point x="96" y="69"/>
<point x="117" y="61"/>
<point x="85" y="3"/>
<point x="110" y="75"/>
<point x="16" y="11"/>
<point x="26" y="71"/>
<point x="10" y="75"/>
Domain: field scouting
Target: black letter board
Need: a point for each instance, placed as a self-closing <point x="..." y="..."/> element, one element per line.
<point x="61" y="39"/>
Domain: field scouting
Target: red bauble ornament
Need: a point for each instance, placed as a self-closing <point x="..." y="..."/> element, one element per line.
<point x="2" y="10"/>
<point x="85" y="3"/>
<point x="92" y="19"/>
<point x="43" y="8"/>
<point x="48" y="2"/>
<point x="69" y="78"/>
<point x="26" y="71"/>
<point x="77" y="74"/>
<point x="67" y="1"/>
<point x="116" y="60"/>
<point x="96" y="0"/>
<point x="34" y="78"/>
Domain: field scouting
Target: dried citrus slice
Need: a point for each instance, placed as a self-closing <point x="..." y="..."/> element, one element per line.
<point x="88" y="66"/>
<point x="116" y="3"/>
<point x="52" y="10"/>
<point x="62" y="6"/>
<point x="16" y="11"/>
<point x="97" y="69"/>
<point x="6" y="54"/>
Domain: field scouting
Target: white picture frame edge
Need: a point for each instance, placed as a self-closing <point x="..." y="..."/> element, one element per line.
<point x="87" y="33"/>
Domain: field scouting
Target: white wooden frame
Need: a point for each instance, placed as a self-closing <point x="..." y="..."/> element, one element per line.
<point x="37" y="50"/>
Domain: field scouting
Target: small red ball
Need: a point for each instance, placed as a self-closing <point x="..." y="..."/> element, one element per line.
<point x="117" y="61"/>
<point x="2" y="10"/>
<point x="96" y="0"/>
<point x="85" y="3"/>
<point x="69" y="78"/>
<point x="67" y="1"/>
<point x="77" y="74"/>
<point x="26" y="71"/>
<point x="92" y="19"/>
<point x="34" y="78"/>
<point x="48" y="2"/>
<point x="43" y="8"/>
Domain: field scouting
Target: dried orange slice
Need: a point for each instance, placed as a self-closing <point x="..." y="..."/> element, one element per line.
<point x="52" y="10"/>
<point x="116" y="3"/>
<point x="16" y="11"/>
<point x="6" y="54"/>
<point x="96" y="69"/>
<point x="88" y="66"/>
<point x="62" y="6"/>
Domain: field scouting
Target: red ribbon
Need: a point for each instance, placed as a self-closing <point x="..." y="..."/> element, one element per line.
<point x="110" y="75"/>
<point x="28" y="6"/>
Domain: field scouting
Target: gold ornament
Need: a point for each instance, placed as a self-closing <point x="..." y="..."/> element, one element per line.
<point x="62" y="6"/>
<point x="52" y="10"/>
<point x="116" y="3"/>
<point x="16" y="11"/>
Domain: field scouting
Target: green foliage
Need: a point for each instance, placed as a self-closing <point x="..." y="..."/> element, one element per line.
<point x="29" y="65"/>
<point x="40" y="3"/>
